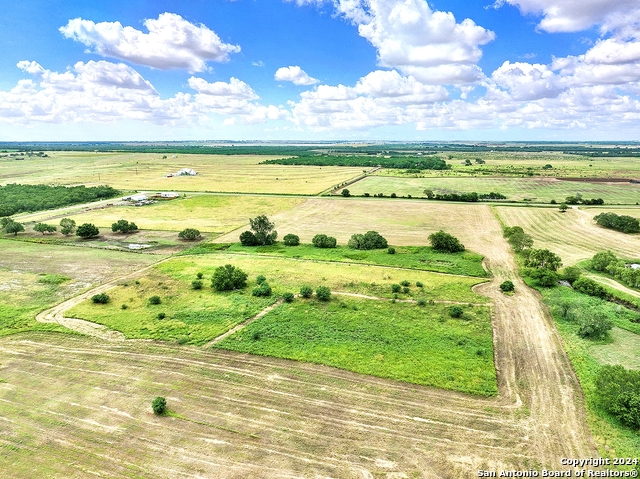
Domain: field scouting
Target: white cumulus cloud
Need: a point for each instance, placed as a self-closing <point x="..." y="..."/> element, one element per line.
<point x="172" y="42"/>
<point x="296" y="75"/>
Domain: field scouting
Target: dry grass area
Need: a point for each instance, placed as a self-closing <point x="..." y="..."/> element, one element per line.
<point x="624" y="349"/>
<point x="573" y="235"/>
<point x="207" y="213"/>
<point x="243" y="417"/>
<point x="402" y="222"/>
<point x="146" y="171"/>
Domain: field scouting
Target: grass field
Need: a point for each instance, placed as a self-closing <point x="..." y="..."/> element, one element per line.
<point x="34" y="277"/>
<point x="421" y="345"/>
<point x="198" y="316"/>
<point x="144" y="171"/>
<point x="537" y="190"/>
<point x="403" y="223"/>
<point x="207" y="213"/>
<point x="624" y="349"/>
<point x="572" y="235"/>
<point x="411" y="257"/>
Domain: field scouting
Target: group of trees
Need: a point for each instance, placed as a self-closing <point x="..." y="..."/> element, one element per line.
<point x="400" y="162"/>
<point x="123" y="226"/>
<point x="517" y="238"/>
<point x="262" y="232"/>
<point x="578" y="199"/>
<point x="445" y="243"/>
<point x="324" y="241"/>
<point x="623" y="223"/>
<point x="618" y="391"/>
<point x="607" y="262"/>
<point x="16" y="198"/>
<point x="369" y="240"/>
<point x="465" y="197"/>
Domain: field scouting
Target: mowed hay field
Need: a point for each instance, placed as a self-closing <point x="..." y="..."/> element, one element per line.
<point x="207" y="213"/>
<point x="540" y="190"/>
<point x="573" y="235"/>
<point x="146" y="171"/>
<point x="77" y="407"/>
<point x="402" y="222"/>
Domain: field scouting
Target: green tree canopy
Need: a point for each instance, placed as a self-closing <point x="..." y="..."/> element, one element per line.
<point x="87" y="230"/>
<point x="228" y="278"/>
<point x="445" y="242"/>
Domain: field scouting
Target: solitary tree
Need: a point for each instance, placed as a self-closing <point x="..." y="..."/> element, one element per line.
<point x="87" y="230"/>
<point x="228" y="277"/>
<point x="346" y="193"/>
<point x="563" y="207"/>
<point x="263" y="230"/>
<point x="44" y="228"/>
<point x="291" y="240"/>
<point x="324" y="241"/>
<point x="429" y="194"/>
<point x="520" y="241"/>
<point x="159" y="405"/>
<point x="445" y="242"/>
<point x="543" y="259"/>
<point x="67" y="226"/>
<point x="123" y="226"/>
<point x="13" y="227"/>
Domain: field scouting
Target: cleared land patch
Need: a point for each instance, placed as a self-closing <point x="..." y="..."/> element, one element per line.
<point x="80" y="398"/>
<point x="422" y="345"/>
<point x="411" y="257"/>
<point x="624" y="349"/>
<point x="145" y="171"/>
<point x="539" y="190"/>
<point x="403" y="223"/>
<point x="573" y="235"/>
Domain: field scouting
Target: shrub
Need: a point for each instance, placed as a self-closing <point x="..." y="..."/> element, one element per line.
<point x="263" y="290"/>
<point x="405" y="290"/>
<point x="422" y="302"/>
<point x="155" y="300"/>
<point x="196" y="284"/>
<point x="123" y="226"/>
<point x="189" y="234"/>
<point x="571" y="274"/>
<point x="456" y="311"/>
<point x="102" y="298"/>
<point x="393" y="195"/>
<point x="287" y="297"/>
<point x="367" y="195"/>
<point x="260" y="279"/>
<point x="601" y="260"/>
<point x="391" y="250"/>
<point x="369" y="240"/>
<point x="324" y="241"/>
<point x="507" y="286"/>
<point x="419" y="284"/>
<point x="445" y="242"/>
<point x="590" y="287"/>
<point x="395" y="288"/>
<point x="618" y="391"/>
<point x="595" y="326"/>
<point x="306" y="291"/>
<point x="346" y="193"/>
<point x="291" y="240"/>
<point x="323" y="293"/>
<point x="199" y="275"/>
<point x="405" y="283"/>
<point x="87" y="230"/>
<point x="247" y="238"/>
<point x="161" y="315"/>
<point x="545" y="277"/>
<point x="159" y="405"/>
<point x="228" y="277"/>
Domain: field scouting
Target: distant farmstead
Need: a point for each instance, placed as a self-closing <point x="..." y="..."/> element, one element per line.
<point x="183" y="172"/>
<point x="167" y="195"/>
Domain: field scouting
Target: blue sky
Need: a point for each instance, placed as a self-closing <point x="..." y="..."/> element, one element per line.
<point x="320" y="69"/>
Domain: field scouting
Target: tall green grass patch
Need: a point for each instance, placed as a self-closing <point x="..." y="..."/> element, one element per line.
<point x="391" y="340"/>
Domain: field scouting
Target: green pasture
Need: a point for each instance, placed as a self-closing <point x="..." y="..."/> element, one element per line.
<point x="421" y="345"/>
<point x="535" y="190"/>
<point x="410" y="257"/>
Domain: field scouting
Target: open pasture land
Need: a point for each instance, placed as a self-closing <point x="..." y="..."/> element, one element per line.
<point x="73" y="405"/>
<point x="624" y="349"/>
<point x="145" y="171"/>
<point x="403" y="223"/>
<point x="573" y="235"/>
<point x="411" y="257"/>
<point x="198" y="316"/>
<point x="537" y="190"/>
<point x="207" y="213"/>
<point x="34" y="277"/>
<point x="402" y="341"/>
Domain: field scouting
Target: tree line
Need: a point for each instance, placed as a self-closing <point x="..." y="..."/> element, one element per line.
<point x="15" y="198"/>
<point x="413" y="163"/>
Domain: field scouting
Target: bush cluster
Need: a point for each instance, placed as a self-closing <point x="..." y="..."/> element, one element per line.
<point x="228" y="278"/>
<point x="102" y="298"/>
<point x="189" y="234"/>
<point x="445" y="242"/>
<point x="369" y="240"/>
<point x="87" y="230"/>
<point x="623" y="223"/>
<point x="123" y="226"/>
<point x="262" y="232"/>
<point x="607" y="262"/>
<point x="618" y="391"/>
<point x="291" y="240"/>
<point x="324" y="241"/>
